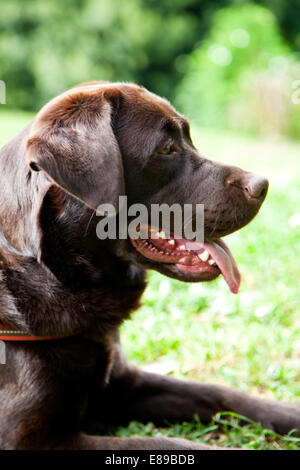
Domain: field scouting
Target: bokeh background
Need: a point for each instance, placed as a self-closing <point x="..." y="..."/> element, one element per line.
<point x="233" y="68"/>
<point x="224" y="63"/>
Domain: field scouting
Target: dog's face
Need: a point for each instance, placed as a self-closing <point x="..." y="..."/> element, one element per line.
<point x="99" y="141"/>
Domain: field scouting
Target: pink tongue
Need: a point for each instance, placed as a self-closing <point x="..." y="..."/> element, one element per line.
<point x="225" y="261"/>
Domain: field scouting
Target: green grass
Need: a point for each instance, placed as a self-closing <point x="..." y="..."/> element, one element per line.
<point x="205" y="333"/>
<point x="11" y="122"/>
<point x="225" y="430"/>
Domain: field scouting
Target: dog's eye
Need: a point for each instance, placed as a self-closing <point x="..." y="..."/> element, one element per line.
<point x="168" y="148"/>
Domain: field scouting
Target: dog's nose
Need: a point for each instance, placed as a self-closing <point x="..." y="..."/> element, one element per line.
<point x="255" y="187"/>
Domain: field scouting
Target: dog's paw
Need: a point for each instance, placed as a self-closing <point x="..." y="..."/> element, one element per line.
<point x="279" y="417"/>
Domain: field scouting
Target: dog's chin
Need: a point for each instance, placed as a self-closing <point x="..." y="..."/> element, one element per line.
<point x="184" y="273"/>
<point x="177" y="271"/>
<point x="186" y="260"/>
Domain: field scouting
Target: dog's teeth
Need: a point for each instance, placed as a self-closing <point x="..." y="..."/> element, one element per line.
<point x="181" y="247"/>
<point x="171" y="242"/>
<point x="211" y="262"/>
<point x="204" y="256"/>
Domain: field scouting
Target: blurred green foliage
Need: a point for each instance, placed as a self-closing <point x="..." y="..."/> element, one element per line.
<point x="46" y="47"/>
<point x="241" y="75"/>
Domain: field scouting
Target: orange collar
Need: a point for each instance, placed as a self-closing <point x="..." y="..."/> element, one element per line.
<point x="7" y="333"/>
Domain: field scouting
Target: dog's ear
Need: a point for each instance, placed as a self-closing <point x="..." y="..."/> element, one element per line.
<point x="73" y="142"/>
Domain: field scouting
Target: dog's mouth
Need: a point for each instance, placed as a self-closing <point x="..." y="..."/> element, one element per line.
<point x="197" y="261"/>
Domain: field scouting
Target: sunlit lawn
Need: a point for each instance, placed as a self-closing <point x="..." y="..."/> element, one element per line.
<point x="205" y="333"/>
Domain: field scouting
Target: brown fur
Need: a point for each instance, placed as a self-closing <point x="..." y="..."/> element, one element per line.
<point x="88" y="146"/>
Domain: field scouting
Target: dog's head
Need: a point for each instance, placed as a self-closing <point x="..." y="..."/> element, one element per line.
<point x="99" y="141"/>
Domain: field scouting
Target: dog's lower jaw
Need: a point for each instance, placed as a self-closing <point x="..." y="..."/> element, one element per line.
<point x="188" y="260"/>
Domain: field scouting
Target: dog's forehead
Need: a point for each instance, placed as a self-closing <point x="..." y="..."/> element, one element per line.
<point x="144" y="98"/>
<point x="150" y="107"/>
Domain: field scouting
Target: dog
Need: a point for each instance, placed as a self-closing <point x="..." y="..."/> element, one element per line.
<point x="65" y="292"/>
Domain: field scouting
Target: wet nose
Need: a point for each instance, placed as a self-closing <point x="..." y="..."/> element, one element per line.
<point x="255" y="187"/>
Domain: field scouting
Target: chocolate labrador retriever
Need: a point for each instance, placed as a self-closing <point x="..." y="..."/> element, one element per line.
<point x="65" y="292"/>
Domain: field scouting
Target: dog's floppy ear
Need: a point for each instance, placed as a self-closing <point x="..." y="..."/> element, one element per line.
<point x="73" y="142"/>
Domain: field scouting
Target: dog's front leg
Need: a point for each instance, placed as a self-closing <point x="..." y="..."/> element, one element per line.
<point x="83" y="441"/>
<point x="145" y="397"/>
